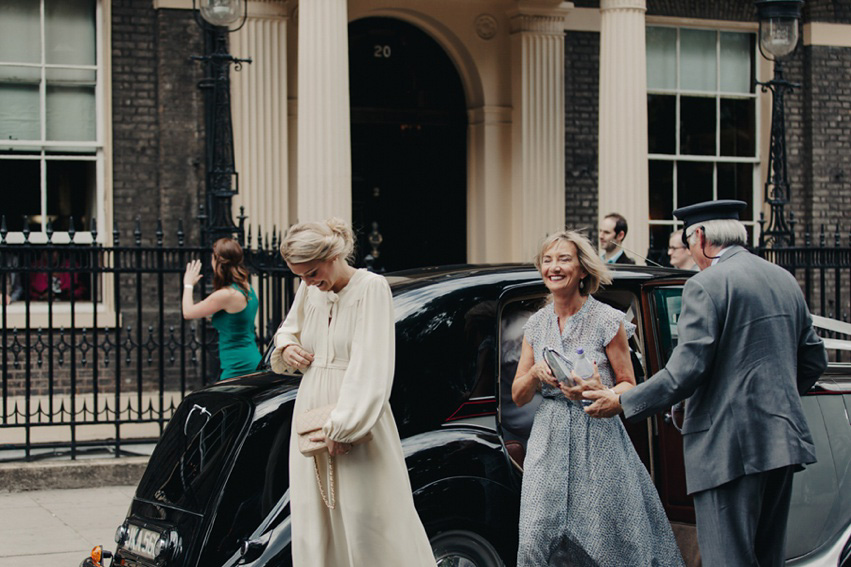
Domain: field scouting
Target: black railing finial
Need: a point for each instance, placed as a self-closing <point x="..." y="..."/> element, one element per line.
<point x="248" y="238"/>
<point x="71" y="230"/>
<point x="137" y="231"/>
<point x="93" y="229"/>
<point x="49" y="230"/>
<point x="3" y="230"/>
<point x="259" y="237"/>
<point x="116" y="236"/>
<point x="159" y="233"/>
<point x="26" y="229"/>
<point x="180" y="233"/>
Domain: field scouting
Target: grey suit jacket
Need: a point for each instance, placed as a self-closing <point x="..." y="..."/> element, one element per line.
<point x="746" y="352"/>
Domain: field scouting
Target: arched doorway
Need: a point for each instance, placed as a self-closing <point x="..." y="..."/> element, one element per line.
<point x="409" y="148"/>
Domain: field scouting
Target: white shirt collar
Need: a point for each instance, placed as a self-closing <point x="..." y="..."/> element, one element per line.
<point x="613" y="259"/>
<point x="718" y="256"/>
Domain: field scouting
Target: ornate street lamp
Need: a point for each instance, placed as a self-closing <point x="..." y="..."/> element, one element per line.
<point x="216" y="19"/>
<point x="778" y="38"/>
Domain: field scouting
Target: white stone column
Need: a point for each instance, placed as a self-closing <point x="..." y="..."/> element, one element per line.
<point x="623" y="119"/>
<point x="489" y="206"/>
<point x="537" y="78"/>
<point x="324" y="174"/>
<point x="259" y="108"/>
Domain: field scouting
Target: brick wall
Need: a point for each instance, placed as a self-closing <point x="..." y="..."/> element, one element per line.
<point x="835" y="11"/>
<point x="582" y="76"/>
<point x="158" y="143"/>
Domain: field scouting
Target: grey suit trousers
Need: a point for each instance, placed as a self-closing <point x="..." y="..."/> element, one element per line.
<point x="742" y="523"/>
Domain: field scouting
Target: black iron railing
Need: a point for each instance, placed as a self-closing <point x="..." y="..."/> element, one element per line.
<point x="93" y="337"/>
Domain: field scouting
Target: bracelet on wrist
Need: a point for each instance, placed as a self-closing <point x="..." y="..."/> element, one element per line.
<point x="186" y="285"/>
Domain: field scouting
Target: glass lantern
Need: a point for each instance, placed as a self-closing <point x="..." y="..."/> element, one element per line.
<point x="221" y="12"/>
<point x="778" y="27"/>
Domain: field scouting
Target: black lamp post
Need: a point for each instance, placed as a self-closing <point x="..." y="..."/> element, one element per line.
<point x="216" y="17"/>
<point x="778" y="38"/>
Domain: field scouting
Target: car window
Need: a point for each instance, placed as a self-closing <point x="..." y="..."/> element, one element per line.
<point x="516" y="421"/>
<point x="256" y="485"/>
<point x="626" y="301"/>
<point x="185" y="468"/>
<point x="667" y="304"/>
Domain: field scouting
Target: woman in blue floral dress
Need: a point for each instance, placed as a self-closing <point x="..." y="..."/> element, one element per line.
<point x="587" y="499"/>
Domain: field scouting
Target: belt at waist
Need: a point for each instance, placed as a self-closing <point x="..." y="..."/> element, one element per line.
<point x="333" y="365"/>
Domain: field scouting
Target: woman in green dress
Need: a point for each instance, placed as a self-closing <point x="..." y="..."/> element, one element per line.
<point x="232" y="304"/>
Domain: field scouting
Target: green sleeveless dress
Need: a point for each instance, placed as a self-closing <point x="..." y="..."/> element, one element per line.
<point x="237" y="347"/>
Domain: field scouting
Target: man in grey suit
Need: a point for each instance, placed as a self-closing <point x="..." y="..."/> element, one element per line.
<point x="746" y="352"/>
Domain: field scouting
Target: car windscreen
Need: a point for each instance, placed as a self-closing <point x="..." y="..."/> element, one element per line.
<point x="185" y="469"/>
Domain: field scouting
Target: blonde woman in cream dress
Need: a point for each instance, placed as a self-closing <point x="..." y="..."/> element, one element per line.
<point x="340" y="334"/>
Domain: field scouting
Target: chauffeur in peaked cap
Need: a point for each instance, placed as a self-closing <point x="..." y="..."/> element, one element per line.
<point x="746" y="353"/>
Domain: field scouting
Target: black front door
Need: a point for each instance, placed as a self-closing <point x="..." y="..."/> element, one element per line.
<point x="409" y="162"/>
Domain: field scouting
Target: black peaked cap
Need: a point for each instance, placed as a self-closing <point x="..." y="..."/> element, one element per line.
<point x="708" y="210"/>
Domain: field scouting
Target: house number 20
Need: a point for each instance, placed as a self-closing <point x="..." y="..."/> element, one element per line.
<point x="381" y="51"/>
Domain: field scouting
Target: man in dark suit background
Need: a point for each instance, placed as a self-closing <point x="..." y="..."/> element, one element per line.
<point x="613" y="229"/>
<point x="746" y="353"/>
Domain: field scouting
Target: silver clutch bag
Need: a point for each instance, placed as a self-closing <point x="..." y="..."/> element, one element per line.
<point x="560" y="366"/>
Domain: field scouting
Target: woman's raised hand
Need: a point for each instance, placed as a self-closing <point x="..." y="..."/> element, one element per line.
<point x="193" y="273"/>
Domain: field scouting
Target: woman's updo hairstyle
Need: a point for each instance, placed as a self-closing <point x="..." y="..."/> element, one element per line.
<point x="322" y="241"/>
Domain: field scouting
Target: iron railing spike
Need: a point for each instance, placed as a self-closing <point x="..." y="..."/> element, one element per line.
<point x="159" y="232"/>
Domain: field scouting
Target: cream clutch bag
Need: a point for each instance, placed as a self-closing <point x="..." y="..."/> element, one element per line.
<point x="311" y="422"/>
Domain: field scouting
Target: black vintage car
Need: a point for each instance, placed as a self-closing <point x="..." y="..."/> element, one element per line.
<point x="216" y="490"/>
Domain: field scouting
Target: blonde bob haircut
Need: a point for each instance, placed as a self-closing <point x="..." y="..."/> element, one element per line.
<point x="318" y="241"/>
<point x="598" y="273"/>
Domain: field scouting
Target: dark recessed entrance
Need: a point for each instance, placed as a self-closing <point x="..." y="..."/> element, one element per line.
<point x="409" y="156"/>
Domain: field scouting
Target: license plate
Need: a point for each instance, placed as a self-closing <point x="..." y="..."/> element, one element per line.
<point x="141" y="541"/>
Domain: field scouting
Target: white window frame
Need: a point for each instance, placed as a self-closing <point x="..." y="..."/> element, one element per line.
<point x="717" y="94"/>
<point x="62" y="316"/>
<point x="43" y="145"/>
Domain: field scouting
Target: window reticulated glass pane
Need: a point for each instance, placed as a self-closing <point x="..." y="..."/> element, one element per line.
<point x="697" y="60"/>
<point x="661" y="124"/>
<point x="20" y="31"/>
<point x="694" y="182"/>
<point x="661" y="185"/>
<point x="19" y="112"/>
<point x="660" y="234"/>
<point x="735" y="181"/>
<point x="71" y="191"/>
<point x="738" y="125"/>
<point x="697" y="126"/>
<point x="71" y="113"/>
<point x="736" y="69"/>
<point x="661" y="58"/>
<point x="69" y="29"/>
<point x="21" y="179"/>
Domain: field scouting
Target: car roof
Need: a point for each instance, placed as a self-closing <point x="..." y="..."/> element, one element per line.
<point x="517" y="273"/>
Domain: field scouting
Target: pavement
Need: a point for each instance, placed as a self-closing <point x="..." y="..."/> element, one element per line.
<point x="58" y="510"/>
<point x="61" y="526"/>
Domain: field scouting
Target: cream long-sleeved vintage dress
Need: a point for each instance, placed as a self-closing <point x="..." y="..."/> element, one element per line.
<point x="374" y="523"/>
